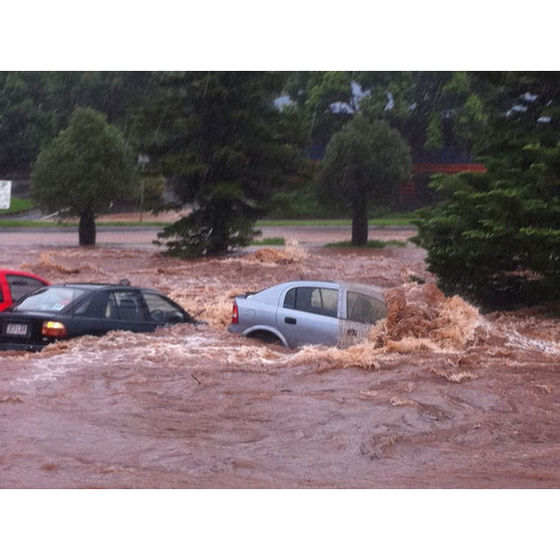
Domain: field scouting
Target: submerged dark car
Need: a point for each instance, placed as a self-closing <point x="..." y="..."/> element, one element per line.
<point x="62" y="311"/>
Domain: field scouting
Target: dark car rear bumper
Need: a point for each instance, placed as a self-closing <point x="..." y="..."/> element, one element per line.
<point x="21" y="346"/>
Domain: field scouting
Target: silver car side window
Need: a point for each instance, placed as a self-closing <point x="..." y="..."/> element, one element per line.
<point x="321" y="301"/>
<point x="290" y="299"/>
<point x="364" y="309"/>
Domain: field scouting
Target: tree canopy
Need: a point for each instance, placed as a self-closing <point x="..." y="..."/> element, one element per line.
<point x="364" y="163"/>
<point x="224" y="146"/>
<point x="35" y="106"/>
<point x="85" y="168"/>
<point x="495" y="237"/>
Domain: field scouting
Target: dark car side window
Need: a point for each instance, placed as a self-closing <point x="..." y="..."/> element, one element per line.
<point x="125" y="306"/>
<point x="22" y="285"/>
<point x="162" y="310"/>
<point x="87" y="307"/>
<point x="322" y="301"/>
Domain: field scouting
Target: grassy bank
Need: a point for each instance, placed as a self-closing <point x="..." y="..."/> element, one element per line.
<point x="17" y="205"/>
<point x="399" y="220"/>
<point x="395" y="219"/>
<point x="371" y="244"/>
<point x="7" y="223"/>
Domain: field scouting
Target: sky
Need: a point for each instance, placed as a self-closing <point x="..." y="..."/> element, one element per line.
<point x="291" y="35"/>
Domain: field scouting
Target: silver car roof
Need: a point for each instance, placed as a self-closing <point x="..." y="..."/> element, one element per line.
<point x="373" y="291"/>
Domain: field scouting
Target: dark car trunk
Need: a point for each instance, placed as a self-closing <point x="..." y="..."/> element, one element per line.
<point x="25" y="332"/>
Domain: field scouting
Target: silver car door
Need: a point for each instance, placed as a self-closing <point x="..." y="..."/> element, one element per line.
<point x="361" y="312"/>
<point x="309" y="315"/>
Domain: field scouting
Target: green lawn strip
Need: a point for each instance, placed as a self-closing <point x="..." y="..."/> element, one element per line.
<point x="17" y="205"/>
<point x="40" y="224"/>
<point x="371" y="244"/>
<point x="390" y="220"/>
<point x="29" y="224"/>
<point x="269" y="241"/>
<point x="133" y="224"/>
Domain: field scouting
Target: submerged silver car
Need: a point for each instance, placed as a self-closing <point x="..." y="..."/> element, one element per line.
<point x="307" y="312"/>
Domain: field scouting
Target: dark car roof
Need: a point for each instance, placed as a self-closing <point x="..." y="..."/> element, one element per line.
<point x="92" y="285"/>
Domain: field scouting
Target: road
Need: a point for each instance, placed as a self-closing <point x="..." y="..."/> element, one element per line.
<point x="143" y="237"/>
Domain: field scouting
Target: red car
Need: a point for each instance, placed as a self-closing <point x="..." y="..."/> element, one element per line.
<point x="14" y="284"/>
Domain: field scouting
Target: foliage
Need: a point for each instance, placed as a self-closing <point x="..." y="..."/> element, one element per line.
<point x="364" y="163"/>
<point x="430" y="109"/>
<point x="225" y="146"/>
<point x="85" y="168"/>
<point x="495" y="237"/>
<point x="371" y="244"/>
<point x="300" y="198"/>
<point x="24" y="124"/>
<point x="150" y="193"/>
<point x="35" y="106"/>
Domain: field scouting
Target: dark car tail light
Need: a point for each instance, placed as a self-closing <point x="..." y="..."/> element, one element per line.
<point x="54" y="329"/>
<point x="235" y="314"/>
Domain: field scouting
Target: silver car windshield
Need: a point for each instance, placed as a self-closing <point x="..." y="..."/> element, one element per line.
<point x="51" y="299"/>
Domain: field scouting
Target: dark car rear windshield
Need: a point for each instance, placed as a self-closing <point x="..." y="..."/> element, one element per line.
<point x="51" y="299"/>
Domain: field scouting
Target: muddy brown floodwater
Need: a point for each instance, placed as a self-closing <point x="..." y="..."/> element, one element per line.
<point x="439" y="396"/>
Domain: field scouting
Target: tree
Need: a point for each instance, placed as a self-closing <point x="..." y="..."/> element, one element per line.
<point x="430" y="109"/>
<point x="495" y="237"/>
<point x="364" y="163"/>
<point x="437" y="113"/>
<point x="224" y="146"/>
<point x="85" y="168"/>
<point x="24" y="122"/>
<point x="35" y="106"/>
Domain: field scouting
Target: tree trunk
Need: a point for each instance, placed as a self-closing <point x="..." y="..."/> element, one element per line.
<point x="87" y="227"/>
<point x="220" y="236"/>
<point x="360" y="222"/>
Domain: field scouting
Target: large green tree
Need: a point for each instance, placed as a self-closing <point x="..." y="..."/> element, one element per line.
<point x="495" y="237"/>
<point x="364" y="163"/>
<point x="437" y="113"/>
<point x="35" y="106"/>
<point x="430" y="109"/>
<point x="24" y="121"/>
<point x="83" y="170"/>
<point x="224" y="146"/>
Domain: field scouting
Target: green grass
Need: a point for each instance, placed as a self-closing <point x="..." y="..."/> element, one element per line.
<point x="17" y="205"/>
<point x="269" y="241"/>
<point x="29" y="224"/>
<point x="39" y="224"/>
<point x="132" y="224"/>
<point x="371" y="244"/>
<point x="395" y="219"/>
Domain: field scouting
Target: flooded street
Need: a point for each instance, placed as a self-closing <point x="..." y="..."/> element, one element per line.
<point x="439" y="396"/>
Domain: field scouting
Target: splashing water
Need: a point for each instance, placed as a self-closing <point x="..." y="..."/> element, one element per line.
<point x="437" y="396"/>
